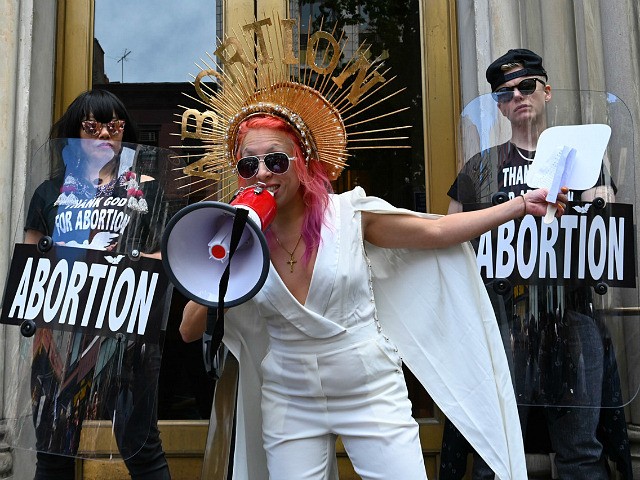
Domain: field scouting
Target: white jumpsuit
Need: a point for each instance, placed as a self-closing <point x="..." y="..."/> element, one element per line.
<point x="330" y="370"/>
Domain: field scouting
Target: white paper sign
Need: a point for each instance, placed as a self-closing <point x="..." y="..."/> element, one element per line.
<point x="568" y="156"/>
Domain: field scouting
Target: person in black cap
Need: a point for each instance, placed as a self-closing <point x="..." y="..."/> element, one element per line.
<point x="520" y="88"/>
<point x="516" y="63"/>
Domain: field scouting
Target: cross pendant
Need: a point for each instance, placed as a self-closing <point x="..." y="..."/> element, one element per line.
<point x="291" y="263"/>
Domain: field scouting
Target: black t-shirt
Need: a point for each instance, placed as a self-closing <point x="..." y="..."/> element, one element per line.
<point x="497" y="169"/>
<point x="502" y="168"/>
<point x="93" y="217"/>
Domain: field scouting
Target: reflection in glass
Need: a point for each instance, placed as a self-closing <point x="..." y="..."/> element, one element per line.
<point x="151" y="40"/>
<point x="164" y="39"/>
<point x="392" y="31"/>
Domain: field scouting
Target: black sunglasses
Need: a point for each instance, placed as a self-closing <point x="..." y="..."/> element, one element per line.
<point x="525" y="87"/>
<point x="276" y="162"/>
<point x="93" y="127"/>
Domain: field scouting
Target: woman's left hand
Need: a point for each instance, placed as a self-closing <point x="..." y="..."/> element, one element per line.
<point x="535" y="202"/>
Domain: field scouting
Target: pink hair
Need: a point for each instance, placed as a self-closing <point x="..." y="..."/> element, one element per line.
<point x="314" y="181"/>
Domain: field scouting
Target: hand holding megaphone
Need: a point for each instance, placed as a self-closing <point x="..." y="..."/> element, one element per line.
<point x="261" y="207"/>
<point x="196" y="248"/>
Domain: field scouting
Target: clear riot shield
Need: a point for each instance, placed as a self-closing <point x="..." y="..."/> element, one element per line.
<point x="89" y="298"/>
<point x="565" y="294"/>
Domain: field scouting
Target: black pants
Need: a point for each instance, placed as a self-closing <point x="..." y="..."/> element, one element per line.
<point x="148" y="464"/>
<point x="135" y="424"/>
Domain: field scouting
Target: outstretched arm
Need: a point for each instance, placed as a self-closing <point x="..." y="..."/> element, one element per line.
<point x="407" y="231"/>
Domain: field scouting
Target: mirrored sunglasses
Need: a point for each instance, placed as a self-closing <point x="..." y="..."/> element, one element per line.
<point x="525" y="87"/>
<point x="93" y="127"/>
<point x="276" y="162"/>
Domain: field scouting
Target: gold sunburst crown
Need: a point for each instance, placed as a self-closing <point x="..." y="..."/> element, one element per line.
<point x="262" y="70"/>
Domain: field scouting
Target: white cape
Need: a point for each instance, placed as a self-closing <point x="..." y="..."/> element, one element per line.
<point x="434" y="307"/>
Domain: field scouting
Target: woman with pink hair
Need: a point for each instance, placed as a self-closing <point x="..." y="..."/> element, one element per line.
<point x="314" y="342"/>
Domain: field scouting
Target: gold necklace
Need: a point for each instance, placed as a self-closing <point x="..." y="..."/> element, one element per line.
<point x="291" y="261"/>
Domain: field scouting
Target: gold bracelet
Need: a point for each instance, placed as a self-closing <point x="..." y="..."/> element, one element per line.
<point x="524" y="199"/>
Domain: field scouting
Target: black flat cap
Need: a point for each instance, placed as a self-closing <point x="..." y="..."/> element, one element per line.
<point x="531" y="65"/>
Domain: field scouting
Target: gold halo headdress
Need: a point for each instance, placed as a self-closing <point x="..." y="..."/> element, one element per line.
<point x="260" y="71"/>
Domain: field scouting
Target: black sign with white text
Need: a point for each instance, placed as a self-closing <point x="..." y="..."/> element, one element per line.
<point x="86" y="291"/>
<point x="585" y="246"/>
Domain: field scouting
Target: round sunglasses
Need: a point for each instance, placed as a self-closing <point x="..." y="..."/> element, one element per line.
<point x="93" y="127"/>
<point x="525" y="87"/>
<point x="276" y="162"/>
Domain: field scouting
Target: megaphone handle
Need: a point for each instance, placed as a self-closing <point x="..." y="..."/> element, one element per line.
<point x="217" y="330"/>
